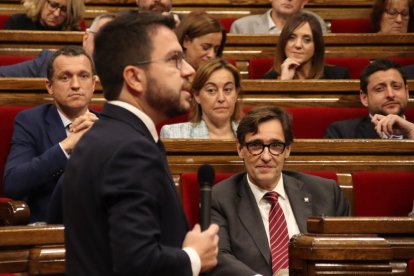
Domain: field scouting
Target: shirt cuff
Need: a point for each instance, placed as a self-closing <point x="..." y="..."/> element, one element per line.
<point x="66" y="154"/>
<point x="194" y="259"/>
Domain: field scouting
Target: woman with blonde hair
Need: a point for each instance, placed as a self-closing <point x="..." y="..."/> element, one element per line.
<point x="64" y="15"/>
<point x="300" y="52"/>
<point x="202" y="38"/>
<point x="215" y="109"/>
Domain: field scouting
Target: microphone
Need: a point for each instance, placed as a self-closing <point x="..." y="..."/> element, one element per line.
<point x="205" y="180"/>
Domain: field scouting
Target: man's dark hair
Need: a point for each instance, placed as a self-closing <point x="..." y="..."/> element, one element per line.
<point x="251" y="121"/>
<point x="124" y="41"/>
<point x="375" y="66"/>
<point x="69" y="51"/>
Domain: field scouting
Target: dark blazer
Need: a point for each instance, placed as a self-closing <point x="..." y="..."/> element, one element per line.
<point x="329" y="73"/>
<point x="244" y="248"/>
<point x="20" y="21"/>
<point x="35" y="68"/>
<point x="121" y="211"/>
<point x="408" y="72"/>
<point x="35" y="161"/>
<point x="361" y="128"/>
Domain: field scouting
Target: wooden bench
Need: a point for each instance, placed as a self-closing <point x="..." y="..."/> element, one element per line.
<point x="348" y="246"/>
<point x="35" y="250"/>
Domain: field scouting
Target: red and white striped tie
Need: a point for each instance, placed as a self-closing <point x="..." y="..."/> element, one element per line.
<point x="279" y="236"/>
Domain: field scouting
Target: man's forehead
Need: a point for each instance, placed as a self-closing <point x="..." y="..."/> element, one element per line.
<point x="64" y="62"/>
<point x="390" y="75"/>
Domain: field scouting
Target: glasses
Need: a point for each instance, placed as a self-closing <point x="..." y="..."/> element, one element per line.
<point x="176" y="59"/>
<point x="257" y="148"/>
<point x="393" y="13"/>
<point x="53" y="6"/>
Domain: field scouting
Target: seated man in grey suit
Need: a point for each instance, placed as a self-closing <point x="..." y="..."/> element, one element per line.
<point x="384" y="91"/>
<point x="240" y="204"/>
<point x="273" y="20"/>
<point x="37" y="67"/>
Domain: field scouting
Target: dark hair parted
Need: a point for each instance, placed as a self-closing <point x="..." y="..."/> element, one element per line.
<point x="251" y="121"/>
<point x="124" y="41"/>
<point x="291" y="25"/>
<point x="199" y="23"/>
<point x="378" y="9"/>
<point x="69" y="51"/>
<point x="375" y="66"/>
<point x="202" y="75"/>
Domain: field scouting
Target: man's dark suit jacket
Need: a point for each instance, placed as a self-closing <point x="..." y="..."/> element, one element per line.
<point x="121" y="211"/>
<point x="408" y="72"/>
<point x="361" y="128"/>
<point x="329" y="73"/>
<point x="35" y="161"/>
<point x="244" y="248"/>
<point x="35" y="68"/>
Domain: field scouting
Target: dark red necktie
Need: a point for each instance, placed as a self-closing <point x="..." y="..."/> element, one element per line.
<point x="279" y="236"/>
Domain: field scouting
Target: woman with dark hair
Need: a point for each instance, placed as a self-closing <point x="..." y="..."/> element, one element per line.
<point x="55" y="15"/>
<point x="215" y="110"/>
<point x="392" y="16"/>
<point x="300" y="52"/>
<point x="202" y="38"/>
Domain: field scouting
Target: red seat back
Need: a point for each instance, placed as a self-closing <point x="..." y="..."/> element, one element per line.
<point x="3" y="20"/>
<point x="7" y="114"/>
<point x="354" y="65"/>
<point x="258" y="67"/>
<point x="10" y="60"/>
<point x="226" y="23"/>
<point x="383" y="193"/>
<point x="404" y="61"/>
<point x="351" y="25"/>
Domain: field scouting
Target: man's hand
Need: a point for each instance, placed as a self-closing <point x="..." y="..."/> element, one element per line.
<point x="205" y="244"/>
<point x="392" y="125"/>
<point x="78" y="127"/>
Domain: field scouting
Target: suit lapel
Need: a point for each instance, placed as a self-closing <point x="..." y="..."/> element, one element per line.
<point x="300" y="201"/>
<point x="366" y="129"/>
<point x="250" y="217"/>
<point x="54" y="126"/>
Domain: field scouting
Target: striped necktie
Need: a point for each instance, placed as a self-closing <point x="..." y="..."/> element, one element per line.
<point x="279" y="237"/>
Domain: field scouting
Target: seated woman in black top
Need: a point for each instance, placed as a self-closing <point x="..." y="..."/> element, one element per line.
<point x="48" y="15"/>
<point x="300" y="52"/>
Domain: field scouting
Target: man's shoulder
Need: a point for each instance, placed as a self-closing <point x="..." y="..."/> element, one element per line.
<point x="350" y="123"/>
<point x="230" y="184"/>
<point x="35" y="112"/>
<point x="247" y="24"/>
<point x="306" y="178"/>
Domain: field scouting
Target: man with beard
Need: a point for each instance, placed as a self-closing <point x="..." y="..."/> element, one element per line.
<point x="273" y="20"/>
<point x="121" y="211"/>
<point x="384" y="91"/>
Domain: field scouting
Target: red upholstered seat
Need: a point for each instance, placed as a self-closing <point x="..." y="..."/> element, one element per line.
<point x="411" y="267"/>
<point x="226" y="23"/>
<point x="3" y="20"/>
<point x="259" y="66"/>
<point x="351" y="25"/>
<point x="312" y="122"/>
<point x="404" y="61"/>
<point x="7" y="114"/>
<point x="354" y="65"/>
<point x="10" y="60"/>
<point x="190" y="195"/>
<point x="383" y="193"/>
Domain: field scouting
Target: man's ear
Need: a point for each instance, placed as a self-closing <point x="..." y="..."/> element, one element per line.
<point x="186" y="42"/>
<point x="363" y="97"/>
<point x="135" y="79"/>
<point x="240" y="150"/>
<point x="49" y="87"/>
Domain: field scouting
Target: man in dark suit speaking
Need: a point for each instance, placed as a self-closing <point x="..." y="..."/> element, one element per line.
<point x="121" y="211"/>
<point x="259" y="211"/>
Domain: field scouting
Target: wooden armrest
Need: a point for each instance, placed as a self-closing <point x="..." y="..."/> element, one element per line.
<point x="14" y="212"/>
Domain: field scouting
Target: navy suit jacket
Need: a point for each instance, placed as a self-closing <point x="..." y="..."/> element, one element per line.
<point x="408" y="71"/>
<point x="35" y="68"/>
<point x="35" y="161"/>
<point x="244" y="247"/>
<point x="121" y="211"/>
<point x="360" y="128"/>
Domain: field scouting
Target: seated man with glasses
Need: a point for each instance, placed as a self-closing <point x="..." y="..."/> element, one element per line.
<point x="259" y="210"/>
<point x="49" y="15"/>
